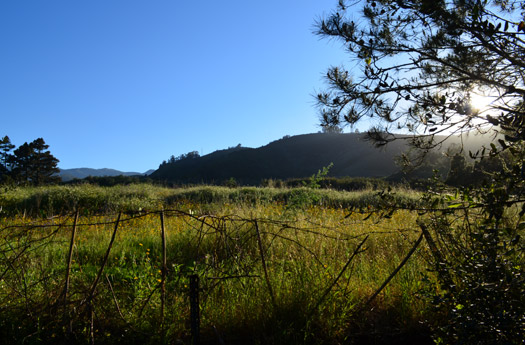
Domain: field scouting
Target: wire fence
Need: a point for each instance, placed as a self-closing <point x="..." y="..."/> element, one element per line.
<point x="159" y="275"/>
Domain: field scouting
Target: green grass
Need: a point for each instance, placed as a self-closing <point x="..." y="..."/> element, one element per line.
<point x="303" y="293"/>
<point x="53" y="200"/>
<point x="304" y="250"/>
<point x="306" y="291"/>
<point x="90" y="199"/>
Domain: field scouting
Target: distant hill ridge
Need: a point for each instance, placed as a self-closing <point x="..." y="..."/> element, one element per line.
<point x="290" y="157"/>
<point x="80" y="173"/>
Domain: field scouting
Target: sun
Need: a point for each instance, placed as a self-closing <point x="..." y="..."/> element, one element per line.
<point x="482" y="101"/>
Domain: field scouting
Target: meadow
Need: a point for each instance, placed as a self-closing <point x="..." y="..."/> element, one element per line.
<point x="275" y="266"/>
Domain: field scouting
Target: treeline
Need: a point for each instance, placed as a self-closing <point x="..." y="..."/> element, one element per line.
<point x="31" y="163"/>
<point x="184" y="156"/>
<point x="465" y="173"/>
<point x="456" y="170"/>
<point x="336" y="183"/>
<point x="110" y="181"/>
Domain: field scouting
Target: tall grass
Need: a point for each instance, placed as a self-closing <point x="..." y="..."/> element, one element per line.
<point x="306" y="291"/>
<point x="53" y="200"/>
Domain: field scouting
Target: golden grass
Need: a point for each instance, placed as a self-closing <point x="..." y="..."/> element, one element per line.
<point x="303" y="290"/>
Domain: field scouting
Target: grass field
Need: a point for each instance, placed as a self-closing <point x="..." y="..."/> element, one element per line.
<point x="53" y="200"/>
<point x="275" y="266"/>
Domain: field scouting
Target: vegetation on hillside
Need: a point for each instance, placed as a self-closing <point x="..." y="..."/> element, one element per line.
<point x="301" y="156"/>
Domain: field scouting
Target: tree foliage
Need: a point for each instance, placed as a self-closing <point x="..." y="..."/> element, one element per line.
<point x="184" y="156"/>
<point x="30" y="163"/>
<point x="5" y="147"/>
<point x="420" y="67"/>
<point x="420" y="63"/>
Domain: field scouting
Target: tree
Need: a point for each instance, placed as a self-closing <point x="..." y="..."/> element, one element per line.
<point x="331" y="129"/>
<point x="44" y="168"/>
<point x="460" y="172"/>
<point x="420" y="66"/>
<point x="194" y="154"/>
<point x="33" y="163"/>
<point x="422" y="62"/>
<point x="5" y="148"/>
<point x="21" y="162"/>
<point x="184" y="156"/>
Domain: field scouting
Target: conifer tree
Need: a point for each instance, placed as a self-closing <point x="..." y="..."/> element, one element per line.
<point x="421" y="67"/>
<point x="5" y="148"/>
<point x="45" y="168"/>
<point x="32" y="163"/>
<point x="21" y="163"/>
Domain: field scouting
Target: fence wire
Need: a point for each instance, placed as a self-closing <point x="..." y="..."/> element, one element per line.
<point x="110" y="276"/>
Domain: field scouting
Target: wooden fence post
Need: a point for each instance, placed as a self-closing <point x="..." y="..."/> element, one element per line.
<point x="105" y="261"/>
<point x="263" y="261"/>
<point x="164" y="270"/>
<point x="194" y="309"/>
<point x="68" y="270"/>
<point x="398" y="268"/>
<point x="70" y="257"/>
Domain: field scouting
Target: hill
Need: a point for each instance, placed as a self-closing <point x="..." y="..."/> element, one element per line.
<point x="291" y="157"/>
<point x="302" y="156"/>
<point x="80" y="173"/>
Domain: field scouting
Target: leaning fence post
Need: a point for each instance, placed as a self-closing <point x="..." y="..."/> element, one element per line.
<point x="68" y="268"/>
<point x="392" y="275"/>
<point x="263" y="261"/>
<point x="104" y="262"/>
<point x="163" y="270"/>
<point x="70" y="257"/>
<point x="194" y="308"/>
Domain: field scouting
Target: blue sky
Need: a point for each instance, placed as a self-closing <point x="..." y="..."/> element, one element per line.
<point x="125" y="84"/>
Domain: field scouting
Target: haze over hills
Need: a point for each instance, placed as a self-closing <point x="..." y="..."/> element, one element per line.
<point x="293" y="157"/>
<point x="80" y="173"/>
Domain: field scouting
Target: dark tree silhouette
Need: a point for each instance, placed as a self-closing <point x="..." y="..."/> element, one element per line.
<point x="32" y="163"/>
<point x="21" y="162"/>
<point x="418" y="66"/>
<point x="5" y="148"/>
<point x="45" y="168"/>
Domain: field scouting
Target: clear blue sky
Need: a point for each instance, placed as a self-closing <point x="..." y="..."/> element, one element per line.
<point x="125" y="84"/>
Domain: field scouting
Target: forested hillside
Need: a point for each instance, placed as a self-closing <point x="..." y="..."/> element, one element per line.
<point x="303" y="155"/>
